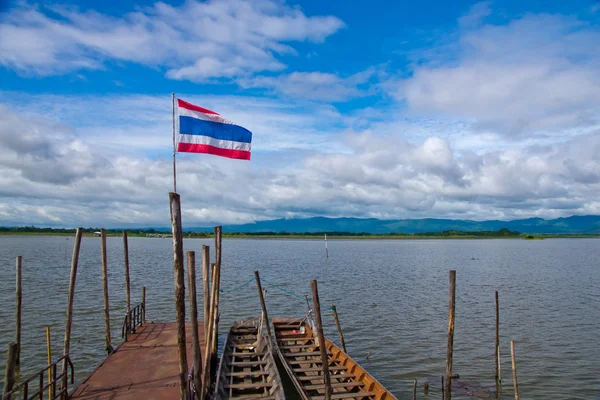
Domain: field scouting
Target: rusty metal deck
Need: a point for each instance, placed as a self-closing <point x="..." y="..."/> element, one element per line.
<point x="144" y="367"/>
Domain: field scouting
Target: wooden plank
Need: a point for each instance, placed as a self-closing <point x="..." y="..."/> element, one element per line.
<point x="243" y="374"/>
<point x="336" y="396"/>
<point x="320" y="377"/>
<point x="335" y="385"/>
<point x="245" y="386"/>
<point x="319" y="369"/>
<point x="305" y="353"/>
<point x="246" y="363"/>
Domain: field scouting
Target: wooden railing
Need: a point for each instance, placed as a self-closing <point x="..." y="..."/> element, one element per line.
<point x="134" y="318"/>
<point x="36" y="382"/>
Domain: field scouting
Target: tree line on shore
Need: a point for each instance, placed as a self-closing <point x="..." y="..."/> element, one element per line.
<point x="151" y="231"/>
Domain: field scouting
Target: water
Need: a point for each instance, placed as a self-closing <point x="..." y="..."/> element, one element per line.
<point x="392" y="297"/>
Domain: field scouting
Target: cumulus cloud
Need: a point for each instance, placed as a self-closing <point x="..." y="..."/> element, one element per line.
<point x="537" y="73"/>
<point x="364" y="174"/>
<point x="197" y="41"/>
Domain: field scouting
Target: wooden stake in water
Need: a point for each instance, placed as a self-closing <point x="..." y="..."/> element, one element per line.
<point x="426" y="388"/>
<point x="126" y="259"/>
<point x="19" y="307"/>
<point x="414" y="389"/>
<point x="497" y="342"/>
<point x="321" y="337"/>
<point x="191" y="257"/>
<point x="179" y="291"/>
<point x="450" y="347"/>
<point x="71" y="296"/>
<point x="264" y="308"/>
<point x="105" y="287"/>
<point x="218" y="242"/>
<point x="514" y="369"/>
<point x="443" y="389"/>
<point x="9" y="372"/>
<point x="499" y="369"/>
<point x="49" y="353"/>
<point x="339" y="328"/>
<point x="326" y="249"/>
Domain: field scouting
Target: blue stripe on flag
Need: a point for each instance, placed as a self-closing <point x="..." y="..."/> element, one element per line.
<point x="195" y="126"/>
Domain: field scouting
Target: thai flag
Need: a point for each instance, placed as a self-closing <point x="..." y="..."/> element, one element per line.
<point x="205" y="131"/>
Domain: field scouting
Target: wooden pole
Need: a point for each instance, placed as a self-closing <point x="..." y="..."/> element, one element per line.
<point x="105" y="287"/>
<point x="326" y="249"/>
<point x="191" y="258"/>
<point x="218" y="242"/>
<point x="497" y="342"/>
<point x="321" y="337"/>
<point x="126" y="259"/>
<point x="514" y="369"/>
<point x="414" y="389"/>
<point x="264" y="308"/>
<point x="206" y="283"/>
<point x="9" y="374"/>
<point x="144" y="304"/>
<point x="49" y="353"/>
<point x="426" y="388"/>
<point x="450" y="348"/>
<point x="71" y="295"/>
<point x="339" y="328"/>
<point x="209" y="337"/>
<point x="19" y="306"/>
<point x="179" y="290"/>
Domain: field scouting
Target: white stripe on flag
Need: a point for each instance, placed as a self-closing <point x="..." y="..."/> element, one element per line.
<point x="223" y="144"/>
<point x="184" y="112"/>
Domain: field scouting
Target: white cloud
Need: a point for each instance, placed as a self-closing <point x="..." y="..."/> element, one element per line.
<point x="315" y="85"/>
<point x="66" y="180"/>
<point x="534" y="74"/>
<point x="196" y="41"/>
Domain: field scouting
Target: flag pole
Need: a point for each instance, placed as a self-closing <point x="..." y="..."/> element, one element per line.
<point x="174" y="147"/>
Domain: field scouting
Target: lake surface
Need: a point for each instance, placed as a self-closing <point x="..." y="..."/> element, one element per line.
<point x="392" y="298"/>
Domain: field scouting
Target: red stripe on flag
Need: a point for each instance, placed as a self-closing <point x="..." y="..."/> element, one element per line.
<point x="193" y="107"/>
<point x="217" y="151"/>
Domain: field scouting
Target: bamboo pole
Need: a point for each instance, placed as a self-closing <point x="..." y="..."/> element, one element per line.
<point x="264" y="308"/>
<point x="105" y="287"/>
<point x="9" y="372"/>
<point x="426" y="388"/>
<point x="326" y="249"/>
<point x="209" y="337"/>
<point x="321" y="337"/>
<point x="206" y="283"/>
<point x="71" y="296"/>
<point x="339" y="328"/>
<point x="218" y="242"/>
<point x="19" y="306"/>
<point x="497" y="342"/>
<point x="215" y="321"/>
<point x="514" y="369"/>
<point x="499" y="367"/>
<point x="191" y="258"/>
<point x="450" y="348"/>
<point x="49" y="353"/>
<point x="179" y="290"/>
<point x="144" y="304"/>
<point x="126" y="260"/>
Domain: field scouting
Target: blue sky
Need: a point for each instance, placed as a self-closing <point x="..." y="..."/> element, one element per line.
<point x="473" y="110"/>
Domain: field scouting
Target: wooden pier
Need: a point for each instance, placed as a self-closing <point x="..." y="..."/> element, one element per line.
<point x="146" y="366"/>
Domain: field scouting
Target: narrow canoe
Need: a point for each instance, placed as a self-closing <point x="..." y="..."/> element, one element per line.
<point x="247" y="369"/>
<point x="300" y="355"/>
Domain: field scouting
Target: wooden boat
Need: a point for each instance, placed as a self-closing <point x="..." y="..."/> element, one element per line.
<point x="247" y="369"/>
<point x="298" y="350"/>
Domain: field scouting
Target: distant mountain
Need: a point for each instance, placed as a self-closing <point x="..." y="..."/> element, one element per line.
<point x="587" y="224"/>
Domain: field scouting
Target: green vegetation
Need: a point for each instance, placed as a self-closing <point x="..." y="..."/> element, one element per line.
<point x="449" y="234"/>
